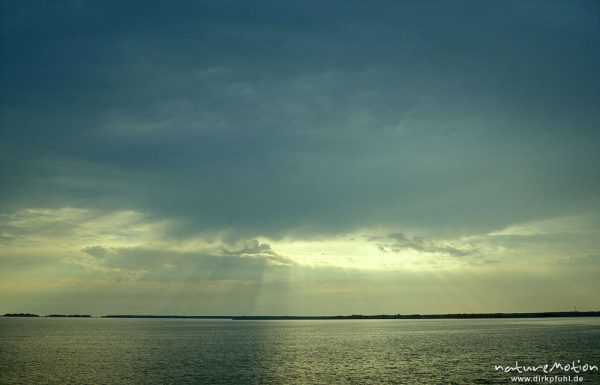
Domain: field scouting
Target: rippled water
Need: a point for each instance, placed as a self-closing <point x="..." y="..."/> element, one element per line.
<point x="167" y="351"/>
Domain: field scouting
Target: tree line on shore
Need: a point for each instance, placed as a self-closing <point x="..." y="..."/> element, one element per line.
<point x="338" y="317"/>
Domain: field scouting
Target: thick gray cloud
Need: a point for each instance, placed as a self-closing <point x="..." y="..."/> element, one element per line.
<point x="401" y="242"/>
<point x="313" y="118"/>
<point x="246" y="264"/>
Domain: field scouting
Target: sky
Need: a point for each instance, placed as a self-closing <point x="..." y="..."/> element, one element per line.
<point x="299" y="157"/>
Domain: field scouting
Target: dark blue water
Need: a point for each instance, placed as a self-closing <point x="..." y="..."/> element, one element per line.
<point x="167" y="351"/>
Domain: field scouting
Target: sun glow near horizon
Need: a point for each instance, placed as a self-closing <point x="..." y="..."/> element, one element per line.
<point x="97" y="252"/>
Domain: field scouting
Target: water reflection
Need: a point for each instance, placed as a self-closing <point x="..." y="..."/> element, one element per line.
<point x="160" y="351"/>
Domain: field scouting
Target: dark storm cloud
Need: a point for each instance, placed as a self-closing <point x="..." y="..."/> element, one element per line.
<point x="265" y="118"/>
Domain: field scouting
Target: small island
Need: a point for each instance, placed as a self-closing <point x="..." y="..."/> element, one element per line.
<point x="49" y="315"/>
<point x="20" y="315"/>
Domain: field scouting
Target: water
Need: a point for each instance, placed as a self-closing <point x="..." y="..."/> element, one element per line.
<point x="169" y="351"/>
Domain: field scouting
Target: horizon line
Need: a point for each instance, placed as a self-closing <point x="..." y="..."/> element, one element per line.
<point x="547" y="314"/>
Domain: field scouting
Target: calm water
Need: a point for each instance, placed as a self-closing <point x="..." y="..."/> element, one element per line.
<point x="163" y="351"/>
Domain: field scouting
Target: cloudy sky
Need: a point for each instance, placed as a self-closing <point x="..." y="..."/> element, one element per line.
<point x="328" y="157"/>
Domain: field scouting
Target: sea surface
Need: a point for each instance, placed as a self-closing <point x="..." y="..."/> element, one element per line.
<point x="192" y="351"/>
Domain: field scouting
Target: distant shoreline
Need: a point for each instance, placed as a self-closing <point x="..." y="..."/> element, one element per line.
<point x="559" y="314"/>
